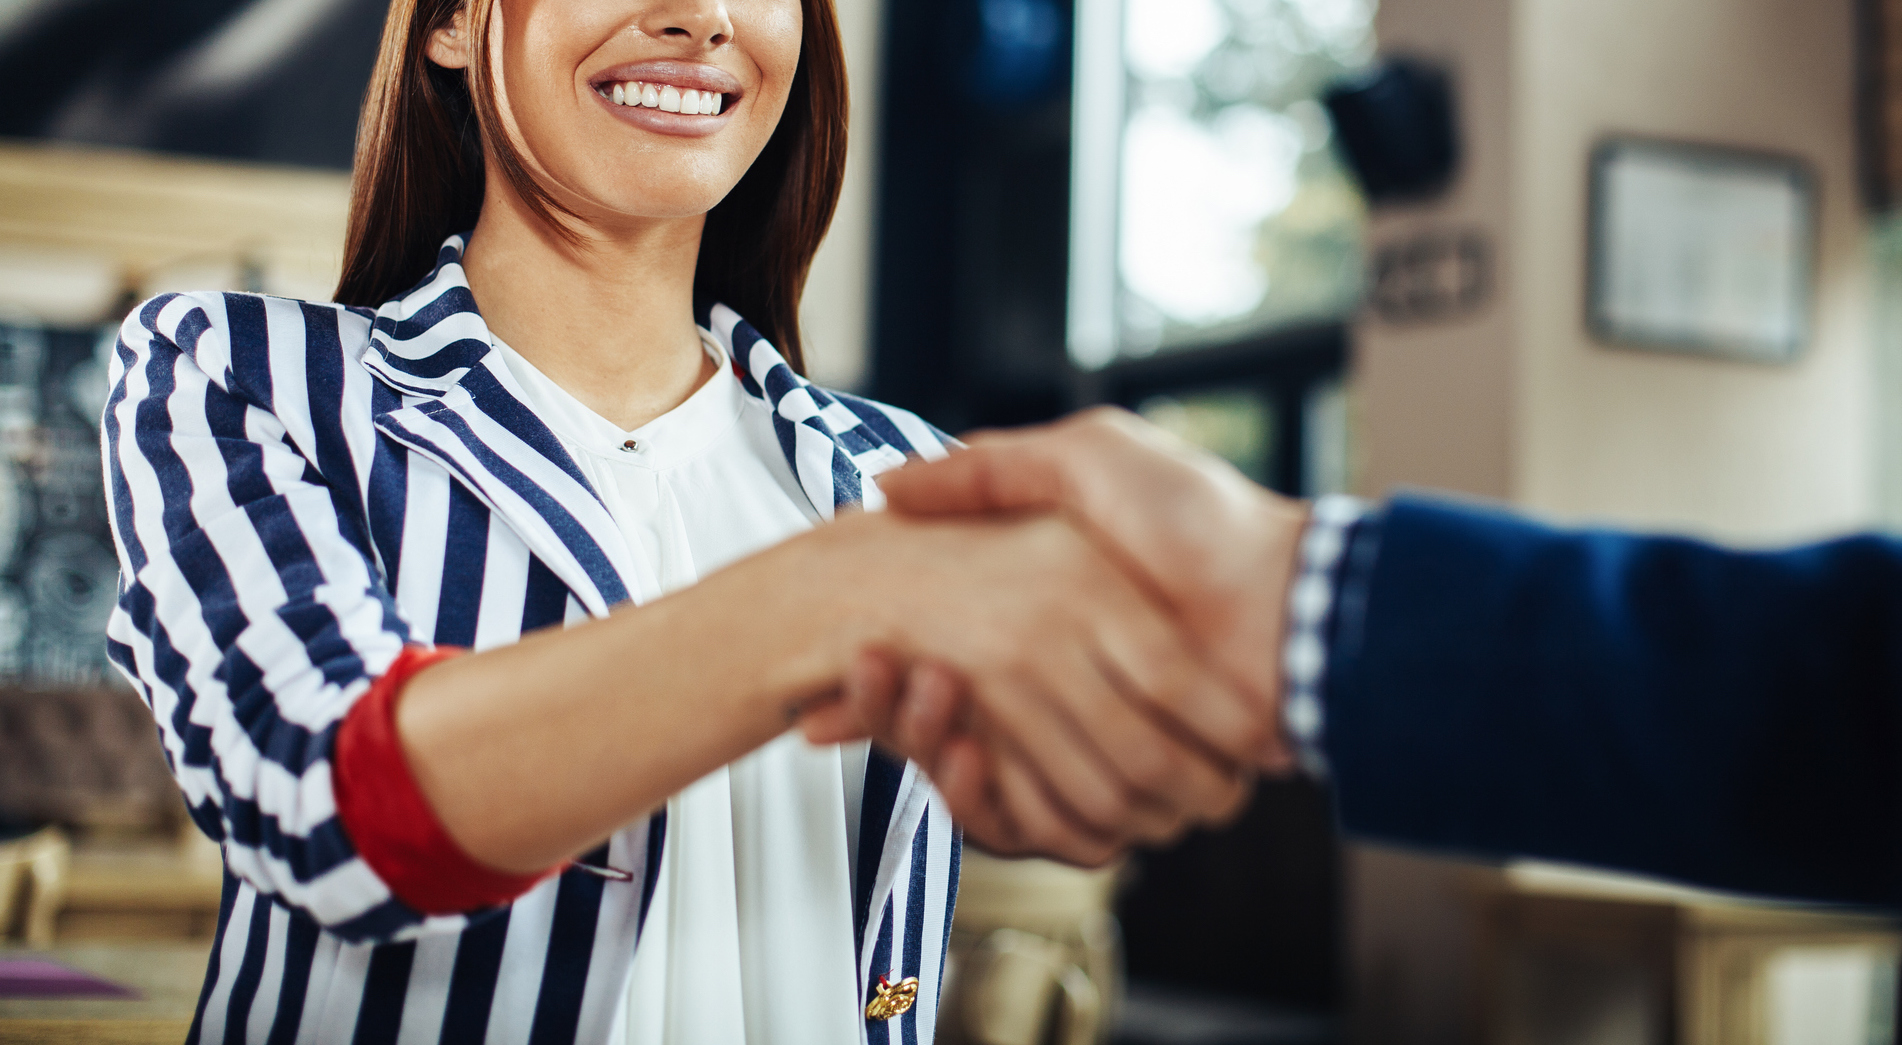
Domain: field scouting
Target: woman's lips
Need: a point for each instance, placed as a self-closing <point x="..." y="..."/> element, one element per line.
<point x="681" y="124"/>
<point x="691" y="99"/>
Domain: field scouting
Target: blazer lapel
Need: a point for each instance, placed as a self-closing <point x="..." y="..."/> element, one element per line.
<point x="830" y="449"/>
<point x="459" y="411"/>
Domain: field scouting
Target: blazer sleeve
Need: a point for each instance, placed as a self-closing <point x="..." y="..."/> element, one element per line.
<point x="251" y="616"/>
<point x="1655" y="705"/>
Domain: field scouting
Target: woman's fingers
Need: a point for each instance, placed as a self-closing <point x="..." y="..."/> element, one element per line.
<point x="1040" y="824"/>
<point x="1155" y="663"/>
<point x="1004" y="808"/>
<point x="1076" y="771"/>
<point x="1076" y="784"/>
<point x="969" y="788"/>
<point x="829" y="720"/>
<point x="871" y="691"/>
<point x="927" y="715"/>
<point x="1167" y="781"/>
<point x="1218" y="548"/>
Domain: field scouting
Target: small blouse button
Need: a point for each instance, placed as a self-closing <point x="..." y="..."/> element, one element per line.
<point x="632" y="446"/>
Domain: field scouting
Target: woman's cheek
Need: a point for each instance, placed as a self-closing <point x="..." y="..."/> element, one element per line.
<point x="778" y="29"/>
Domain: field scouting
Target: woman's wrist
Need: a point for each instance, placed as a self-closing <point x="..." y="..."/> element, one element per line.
<point x="782" y="604"/>
<point x="532" y="752"/>
<point x="862" y="582"/>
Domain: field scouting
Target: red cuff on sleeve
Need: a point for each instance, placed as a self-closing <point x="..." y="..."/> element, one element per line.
<point x="386" y="816"/>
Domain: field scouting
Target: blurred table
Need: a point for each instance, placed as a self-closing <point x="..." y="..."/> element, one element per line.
<point x="141" y="890"/>
<point x="167" y="977"/>
<point x="1567" y="954"/>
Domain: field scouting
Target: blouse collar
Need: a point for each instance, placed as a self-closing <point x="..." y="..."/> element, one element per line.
<point x="673" y="438"/>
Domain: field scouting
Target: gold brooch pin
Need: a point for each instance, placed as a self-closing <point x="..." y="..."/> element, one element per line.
<point x="893" y="999"/>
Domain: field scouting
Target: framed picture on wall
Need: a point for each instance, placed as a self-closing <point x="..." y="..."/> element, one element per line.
<point x="1701" y="249"/>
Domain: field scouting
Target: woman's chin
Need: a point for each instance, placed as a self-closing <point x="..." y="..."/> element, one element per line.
<point x="633" y="208"/>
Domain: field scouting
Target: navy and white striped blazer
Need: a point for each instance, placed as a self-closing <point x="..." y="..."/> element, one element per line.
<point x="300" y="489"/>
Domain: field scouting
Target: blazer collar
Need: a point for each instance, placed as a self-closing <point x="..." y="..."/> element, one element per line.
<point x="426" y="341"/>
<point x="461" y="407"/>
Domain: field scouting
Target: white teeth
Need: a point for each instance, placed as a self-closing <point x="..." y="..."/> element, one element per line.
<point x="668" y="99"/>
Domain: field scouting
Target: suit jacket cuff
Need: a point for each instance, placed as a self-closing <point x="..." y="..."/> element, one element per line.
<point x="1337" y="543"/>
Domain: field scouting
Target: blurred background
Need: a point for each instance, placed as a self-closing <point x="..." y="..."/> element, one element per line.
<point x="1609" y="260"/>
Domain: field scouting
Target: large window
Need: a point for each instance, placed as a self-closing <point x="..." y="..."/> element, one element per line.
<point x="1208" y="206"/>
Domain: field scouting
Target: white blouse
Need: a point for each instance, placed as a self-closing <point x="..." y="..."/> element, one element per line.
<point x="749" y="938"/>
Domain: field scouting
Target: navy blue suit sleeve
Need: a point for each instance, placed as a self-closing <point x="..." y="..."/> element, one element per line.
<point x="1658" y="705"/>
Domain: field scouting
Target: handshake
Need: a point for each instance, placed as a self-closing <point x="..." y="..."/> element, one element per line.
<point x="1084" y="650"/>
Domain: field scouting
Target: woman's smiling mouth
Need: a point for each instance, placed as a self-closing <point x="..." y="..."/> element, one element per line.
<point x="667" y="98"/>
<point x="682" y="98"/>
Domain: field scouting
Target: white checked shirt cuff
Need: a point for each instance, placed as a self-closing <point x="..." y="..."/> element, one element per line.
<point x="1311" y="601"/>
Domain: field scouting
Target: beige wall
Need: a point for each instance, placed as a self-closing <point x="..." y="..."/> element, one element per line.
<point x="1437" y="399"/>
<point x="1518" y="403"/>
<point x="1736" y="450"/>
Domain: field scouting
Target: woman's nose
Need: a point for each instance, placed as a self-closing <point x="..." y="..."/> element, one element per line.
<point x="703" y="22"/>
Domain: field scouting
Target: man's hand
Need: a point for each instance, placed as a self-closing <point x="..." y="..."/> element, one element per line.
<point x="1215" y="547"/>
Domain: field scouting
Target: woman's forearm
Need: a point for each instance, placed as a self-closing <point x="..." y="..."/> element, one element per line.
<point x="533" y="752"/>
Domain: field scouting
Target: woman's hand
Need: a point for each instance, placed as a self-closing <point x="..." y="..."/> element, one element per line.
<point x="1099" y="724"/>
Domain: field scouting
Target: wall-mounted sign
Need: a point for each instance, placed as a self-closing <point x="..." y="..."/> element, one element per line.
<point x="1436" y="276"/>
<point x="1701" y="249"/>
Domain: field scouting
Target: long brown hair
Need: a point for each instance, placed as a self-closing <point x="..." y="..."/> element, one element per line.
<point x="420" y="172"/>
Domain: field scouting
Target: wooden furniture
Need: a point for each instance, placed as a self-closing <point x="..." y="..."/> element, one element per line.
<point x="71" y="216"/>
<point x="126" y="864"/>
<point x="34" y="875"/>
<point x="86" y="758"/>
<point x="1569" y="956"/>
<point x="166" y="976"/>
<point x="142" y="889"/>
<point x="124" y="889"/>
<point x="1033" y="956"/>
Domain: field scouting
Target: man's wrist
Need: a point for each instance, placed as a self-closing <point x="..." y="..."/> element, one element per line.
<point x="1312" y="603"/>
